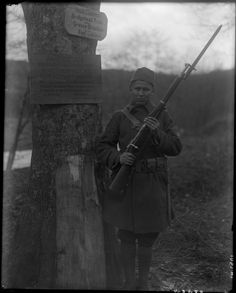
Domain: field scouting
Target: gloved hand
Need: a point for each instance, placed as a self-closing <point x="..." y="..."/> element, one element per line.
<point x="127" y="158"/>
<point x="152" y="122"/>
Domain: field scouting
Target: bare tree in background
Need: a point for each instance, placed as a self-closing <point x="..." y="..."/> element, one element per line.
<point x="16" y="42"/>
<point x="143" y="48"/>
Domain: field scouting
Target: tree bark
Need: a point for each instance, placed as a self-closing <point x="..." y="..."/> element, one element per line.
<point x="59" y="243"/>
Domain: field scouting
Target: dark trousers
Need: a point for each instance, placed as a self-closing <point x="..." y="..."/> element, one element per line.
<point x="128" y="241"/>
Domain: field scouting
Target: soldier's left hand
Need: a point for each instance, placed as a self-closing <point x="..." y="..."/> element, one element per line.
<point x="152" y="122"/>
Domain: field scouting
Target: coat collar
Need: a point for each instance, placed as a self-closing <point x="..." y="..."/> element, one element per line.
<point x="149" y="106"/>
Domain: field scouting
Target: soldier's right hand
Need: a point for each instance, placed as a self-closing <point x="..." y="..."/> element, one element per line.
<point x="127" y="158"/>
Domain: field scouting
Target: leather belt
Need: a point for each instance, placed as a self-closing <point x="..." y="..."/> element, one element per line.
<point x="151" y="165"/>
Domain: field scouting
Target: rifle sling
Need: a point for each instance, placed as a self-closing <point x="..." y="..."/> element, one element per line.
<point x="136" y="123"/>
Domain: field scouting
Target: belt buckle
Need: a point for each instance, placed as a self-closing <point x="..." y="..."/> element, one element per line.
<point x="161" y="163"/>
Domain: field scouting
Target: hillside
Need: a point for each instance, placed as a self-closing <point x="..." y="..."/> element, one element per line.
<point x="203" y="104"/>
<point x="199" y="100"/>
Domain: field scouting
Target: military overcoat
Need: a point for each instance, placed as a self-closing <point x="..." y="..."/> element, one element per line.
<point x="146" y="203"/>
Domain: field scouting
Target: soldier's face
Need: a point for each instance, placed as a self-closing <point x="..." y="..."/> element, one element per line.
<point x="140" y="91"/>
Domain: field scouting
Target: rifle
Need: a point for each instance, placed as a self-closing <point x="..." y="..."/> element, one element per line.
<point x="137" y="144"/>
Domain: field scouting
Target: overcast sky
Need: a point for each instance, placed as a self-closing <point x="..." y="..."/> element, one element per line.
<point x="162" y="36"/>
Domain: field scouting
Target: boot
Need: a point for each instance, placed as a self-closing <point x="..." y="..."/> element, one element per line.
<point x="144" y="263"/>
<point x="128" y="252"/>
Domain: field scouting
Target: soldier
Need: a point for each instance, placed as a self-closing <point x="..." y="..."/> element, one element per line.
<point x="145" y="210"/>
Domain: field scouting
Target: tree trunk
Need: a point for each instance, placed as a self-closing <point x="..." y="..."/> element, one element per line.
<point x="59" y="242"/>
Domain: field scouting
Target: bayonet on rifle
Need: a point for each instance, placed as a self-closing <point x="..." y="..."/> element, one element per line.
<point x="137" y="144"/>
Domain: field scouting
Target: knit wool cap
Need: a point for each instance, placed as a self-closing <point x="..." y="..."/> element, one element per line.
<point x="143" y="74"/>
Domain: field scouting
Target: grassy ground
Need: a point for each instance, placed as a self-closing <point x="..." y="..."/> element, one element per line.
<point x="194" y="254"/>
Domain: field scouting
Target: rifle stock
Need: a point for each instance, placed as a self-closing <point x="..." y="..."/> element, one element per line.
<point x="119" y="183"/>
